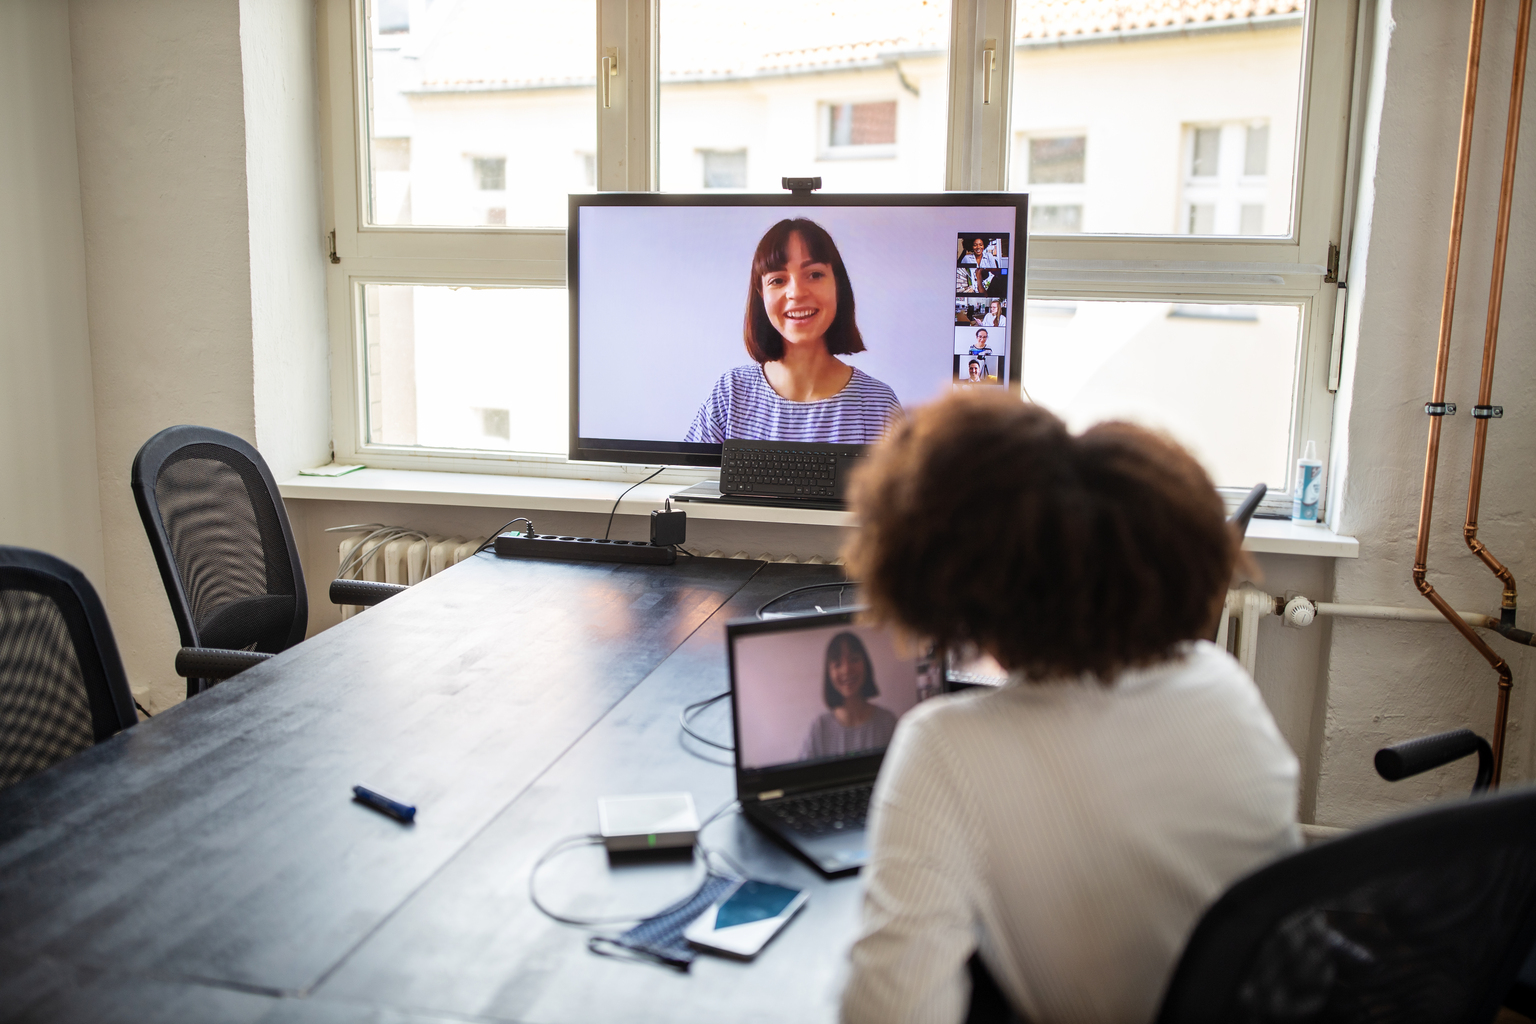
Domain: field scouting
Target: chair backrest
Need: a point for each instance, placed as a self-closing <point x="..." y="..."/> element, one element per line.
<point x="62" y="686"/>
<point x="222" y="540"/>
<point x="1424" y="918"/>
<point x="1247" y="507"/>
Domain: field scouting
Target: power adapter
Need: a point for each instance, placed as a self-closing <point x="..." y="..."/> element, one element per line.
<point x="668" y="528"/>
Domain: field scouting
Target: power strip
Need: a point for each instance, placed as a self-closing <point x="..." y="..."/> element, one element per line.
<point x="584" y="549"/>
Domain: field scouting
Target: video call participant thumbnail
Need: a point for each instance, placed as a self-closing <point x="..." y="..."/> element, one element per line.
<point x="799" y="319"/>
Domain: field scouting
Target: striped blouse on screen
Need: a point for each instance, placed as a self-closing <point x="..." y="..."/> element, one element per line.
<point x="743" y="406"/>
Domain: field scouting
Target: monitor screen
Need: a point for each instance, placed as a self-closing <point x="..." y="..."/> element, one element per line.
<point x="695" y="319"/>
<point x="808" y="693"/>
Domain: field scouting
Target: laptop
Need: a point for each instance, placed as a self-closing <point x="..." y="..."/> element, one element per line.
<point x="815" y="699"/>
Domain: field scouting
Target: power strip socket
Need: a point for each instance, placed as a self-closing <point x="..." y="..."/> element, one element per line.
<point x="582" y="549"/>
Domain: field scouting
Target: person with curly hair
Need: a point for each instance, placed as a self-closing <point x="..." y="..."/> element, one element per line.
<point x="1070" y="826"/>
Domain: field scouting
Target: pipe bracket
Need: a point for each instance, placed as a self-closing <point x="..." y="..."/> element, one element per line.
<point x="1488" y="412"/>
<point x="1440" y="408"/>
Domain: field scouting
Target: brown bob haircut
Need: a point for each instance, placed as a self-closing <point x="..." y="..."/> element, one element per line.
<point x="840" y="646"/>
<point x="764" y="342"/>
<point x="986" y="522"/>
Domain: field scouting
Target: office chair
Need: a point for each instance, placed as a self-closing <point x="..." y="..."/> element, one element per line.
<point x="226" y="553"/>
<point x="1427" y="917"/>
<point x="1246" y="508"/>
<point x="1411" y="757"/>
<point x="62" y="686"/>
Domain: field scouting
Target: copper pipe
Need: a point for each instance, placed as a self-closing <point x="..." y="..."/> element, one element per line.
<point x="1442" y="361"/>
<point x="1491" y="333"/>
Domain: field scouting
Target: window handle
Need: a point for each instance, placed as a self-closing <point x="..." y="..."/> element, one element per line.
<point x="610" y="71"/>
<point x="988" y="65"/>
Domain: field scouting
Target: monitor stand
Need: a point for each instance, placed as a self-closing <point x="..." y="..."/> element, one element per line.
<point x="709" y="491"/>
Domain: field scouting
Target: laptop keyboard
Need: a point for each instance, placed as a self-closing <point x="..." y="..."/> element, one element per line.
<point x="820" y="814"/>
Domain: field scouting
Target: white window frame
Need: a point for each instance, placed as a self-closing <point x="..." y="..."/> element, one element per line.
<point x="1173" y="268"/>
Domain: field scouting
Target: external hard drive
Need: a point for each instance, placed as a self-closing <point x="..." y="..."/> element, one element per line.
<point x="648" y="821"/>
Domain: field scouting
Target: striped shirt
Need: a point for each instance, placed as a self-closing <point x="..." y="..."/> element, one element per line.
<point x="743" y="406"/>
<point x="1071" y="833"/>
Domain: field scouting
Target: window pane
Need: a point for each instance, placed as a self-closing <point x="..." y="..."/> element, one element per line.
<point x="480" y="112"/>
<point x="725" y="169"/>
<point x="460" y="367"/>
<point x="1219" y="378"/>
<point x="1057" y="160"/>
<point x="854" y="92"/>
<point x="1187" y="114"/>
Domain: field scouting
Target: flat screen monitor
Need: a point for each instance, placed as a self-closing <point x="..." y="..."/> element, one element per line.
<point x="677" y="305"/>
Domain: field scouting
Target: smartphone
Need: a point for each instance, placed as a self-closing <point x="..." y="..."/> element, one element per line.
<point x="741" y="922"/>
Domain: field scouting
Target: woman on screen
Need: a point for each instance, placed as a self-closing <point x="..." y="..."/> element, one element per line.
<point x="800" y="318"/>
<point x="850" y="723"/>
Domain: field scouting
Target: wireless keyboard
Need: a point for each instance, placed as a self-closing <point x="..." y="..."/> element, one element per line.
<point x="783" y="469"/>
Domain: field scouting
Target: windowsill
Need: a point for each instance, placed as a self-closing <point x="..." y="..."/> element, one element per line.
<point x="555" y="494"/>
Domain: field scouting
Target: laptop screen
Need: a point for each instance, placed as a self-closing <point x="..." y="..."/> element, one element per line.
<point x="808" y="691"/>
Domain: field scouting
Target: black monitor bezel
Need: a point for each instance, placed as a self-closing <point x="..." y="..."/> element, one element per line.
<point x="662" y="453"/>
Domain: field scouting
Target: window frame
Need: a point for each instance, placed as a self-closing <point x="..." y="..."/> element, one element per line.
<point x="1290" y="269"/>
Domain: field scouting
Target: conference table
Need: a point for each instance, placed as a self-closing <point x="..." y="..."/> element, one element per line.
<point x="209" y="864"/>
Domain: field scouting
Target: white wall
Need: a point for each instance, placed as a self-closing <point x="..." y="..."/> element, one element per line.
<point x="290" y="350"/>
<point x="1391" y="681"/>
<point x="48" y="490"/>
<point x="199" y="188"/>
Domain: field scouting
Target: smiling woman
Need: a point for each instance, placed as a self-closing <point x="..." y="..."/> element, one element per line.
<point x="800" y="317"/>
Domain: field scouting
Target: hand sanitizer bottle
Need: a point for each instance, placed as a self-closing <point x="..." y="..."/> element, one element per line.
<point x="1309" y="486"/>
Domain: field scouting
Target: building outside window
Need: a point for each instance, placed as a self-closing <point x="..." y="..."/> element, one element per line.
<point x="1226" y="181"/>
<point x="859" y="129"/>
<point x="724" y="168"/>
<point x="1195" y="128"/>
<point x="1055" y="168"/>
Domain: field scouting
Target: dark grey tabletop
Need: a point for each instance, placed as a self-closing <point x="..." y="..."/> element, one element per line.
<point x="209" y="865"/>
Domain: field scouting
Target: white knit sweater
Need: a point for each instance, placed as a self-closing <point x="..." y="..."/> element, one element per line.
<point x="1071" y="832"/>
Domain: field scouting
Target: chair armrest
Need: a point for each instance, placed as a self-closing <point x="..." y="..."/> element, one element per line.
<point x="1411" y="757"/>
<point x="363" y="592"/>
<point x="215" y="663"/>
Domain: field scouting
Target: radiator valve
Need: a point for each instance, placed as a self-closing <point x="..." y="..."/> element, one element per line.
<point x="1299" y="612"/>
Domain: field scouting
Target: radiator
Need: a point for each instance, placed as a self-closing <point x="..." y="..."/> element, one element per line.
<point x="404" y="560"/>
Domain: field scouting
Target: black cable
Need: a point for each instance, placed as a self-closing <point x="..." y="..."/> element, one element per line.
<point x="146" y="714"/>
<point x="492" y="538"/>
<point x="692" y="710"/>
<point x="620" y="498"/>
<point x="800" y="590"/>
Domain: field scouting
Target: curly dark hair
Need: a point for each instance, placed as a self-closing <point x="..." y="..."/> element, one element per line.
<point x="839" y="647"/>
<point x="1101" y="552"/>
<point x="764" y="342"/>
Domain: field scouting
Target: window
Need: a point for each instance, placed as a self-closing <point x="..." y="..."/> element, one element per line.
<point x="1226" y="184"/>
<point x="501" y="85"/>
<point x="808" y="88"/>
<point x="1055" y="175"/>
<point x="1176" y="268"/>
<point x="861" y="124"/>
<point x="724" y="168"/>
<point x="1176" y="273"/>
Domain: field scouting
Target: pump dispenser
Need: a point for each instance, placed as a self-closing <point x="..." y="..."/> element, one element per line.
<point x="1309" y="486"/>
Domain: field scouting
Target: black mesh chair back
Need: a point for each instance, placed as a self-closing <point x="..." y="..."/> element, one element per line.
<point x="62" y="686"/>
<point x="221" y="538"/>
<point x="1426" y="918"/>
<point x="1243" y="514"/>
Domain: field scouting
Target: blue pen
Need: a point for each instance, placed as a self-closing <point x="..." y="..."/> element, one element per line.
<point x="383" y="804"/>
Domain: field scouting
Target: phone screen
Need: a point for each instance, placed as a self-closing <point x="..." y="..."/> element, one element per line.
<point x="754" y="901"/>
